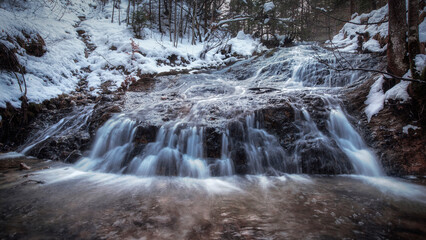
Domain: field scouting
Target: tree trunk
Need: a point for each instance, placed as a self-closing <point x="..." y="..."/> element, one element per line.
<point x="113" y="7"/>
<point x="133" y="11"/>
<point x="150" y="10"/>
<point x="128" y="13"/>
<point x="181" y="23"/>
<point x="413" y="35"/>
<point x="373" y="5"/>
<point x="194" y="12"/>
<point x="166" y="8"/>
<point x="119" y="12"/>
<point x="176" y="26"/>
<point x="170" y="20"/>
<point x="397" y="50"/>
<point x="352" y="8"/>
<point x="159" y="17"/>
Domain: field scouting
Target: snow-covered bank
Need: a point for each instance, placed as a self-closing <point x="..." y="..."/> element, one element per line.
<point x="117" y="53"/>
<point x="373" y="24"/>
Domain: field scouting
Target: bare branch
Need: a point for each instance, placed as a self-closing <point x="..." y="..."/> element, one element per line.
<point x="346" y="21"/>
<point x="342" y="68"/>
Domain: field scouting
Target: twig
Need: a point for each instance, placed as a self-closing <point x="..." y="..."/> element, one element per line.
<point x="104" y="58"/>
<point x="370" y="70"/>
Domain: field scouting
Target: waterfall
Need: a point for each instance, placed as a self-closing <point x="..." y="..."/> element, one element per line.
<point x="112" y="144"/>
<point x="320" y="140"/>
<point x="177" y="151"/>
<point x="351" y="143"/>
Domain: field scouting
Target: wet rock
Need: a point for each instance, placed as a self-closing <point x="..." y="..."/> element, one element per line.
<point x="239" y="157"/>
<point x="236" y="130"/>
<point x="213" y="143"/>
<point x="143" y="84"/>
<point x="399" y="153"/>
<point x="145" y="134"/>
<point x="321" y="158"/>
<point x="73" y="156"/>
<point x="23" y="166"/>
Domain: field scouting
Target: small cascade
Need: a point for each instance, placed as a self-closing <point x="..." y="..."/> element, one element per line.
<point x="263" y="151"/>
<point x="246" y="148"/>
<point x="113" y="144"/>
<point x="351" y="143"/>
<point x="314" y="150"/>
<point x="177" y="151"/>
<point x="75" y="121"/>
<point x="225" y="165"/>
<point x="301" y="66"/>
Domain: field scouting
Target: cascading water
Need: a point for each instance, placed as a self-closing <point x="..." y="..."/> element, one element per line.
<point x="76" y="120"/>
<point x="351" y="143"/>
<point x="113" y="142"/>
<point x="177" y="151"/>
<point x="183" y="110"/>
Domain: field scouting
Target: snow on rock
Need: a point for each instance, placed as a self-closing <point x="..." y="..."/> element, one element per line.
<point x="269" y="6"/>
<point x="398" y="92"/>
<point x="422" y="28"/>
<point x="373" y="45"/>
<point x="243" y="44"/>
<point x="347" y="39"/>
<point x="409" y="126"/>
<point x="420" y="62"/>
<point x="375" y="99"/>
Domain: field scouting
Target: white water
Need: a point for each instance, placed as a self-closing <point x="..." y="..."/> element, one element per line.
<point x="183" y="107"/>
<point x="362" y="158"/>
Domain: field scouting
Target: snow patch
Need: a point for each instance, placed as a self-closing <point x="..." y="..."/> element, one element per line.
<point x="243" y="44"/>
<point x="269" y="6"/>
<point x="398" y="92"/>
<point x="420" y="62"/>
<point x="60" y="69"/>
<point x="375" y="99"/>
<point x="409" y="126"/>
<point x="53" y="73"/>
<point x="422" y="31"/>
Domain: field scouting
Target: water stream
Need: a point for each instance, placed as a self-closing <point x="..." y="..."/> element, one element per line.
<point x="234" y="107"/>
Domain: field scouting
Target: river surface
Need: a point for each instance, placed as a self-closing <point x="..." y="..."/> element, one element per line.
<point x="262" y="149"/>
<point x="74" y="204"/>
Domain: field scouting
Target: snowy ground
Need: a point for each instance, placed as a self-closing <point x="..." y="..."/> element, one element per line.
<point x="60" y="68"/>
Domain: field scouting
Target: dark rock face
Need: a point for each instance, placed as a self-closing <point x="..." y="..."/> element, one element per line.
<point x="399" y="153"/>
<point x="145" y="134"/>
<point x="320" y="158"/>
<point x="75" y="135"/>
<point x="213" y="141"/>
<point x="239" y="157"/>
